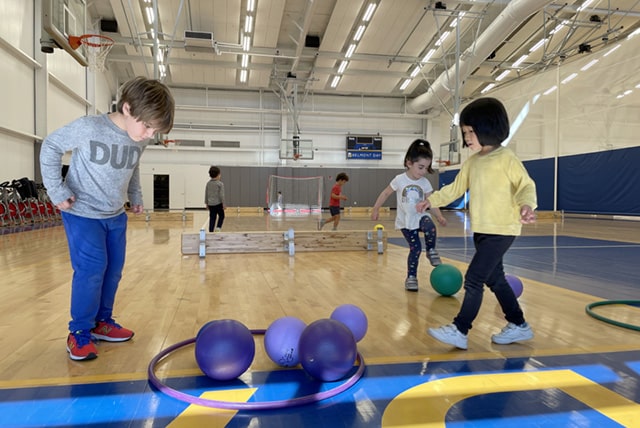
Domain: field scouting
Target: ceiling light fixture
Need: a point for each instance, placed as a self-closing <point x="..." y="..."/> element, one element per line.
<point x="335" y="81"/>
<point x="428" y="56"/>
<point x="589" y="65"/>
<point x="369" y="13"/>
<point x="538" y="45"/>
<point x="503" y="75"/>
<point x="350" y="51"/>
<point x="610" y="51"/>
<point x="248" y="23"/>
<point x="520" y="61"/>
<point x="487" y="88"/>
<point x="405" y="84"/>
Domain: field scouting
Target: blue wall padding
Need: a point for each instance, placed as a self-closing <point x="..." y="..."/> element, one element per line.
<point x="604" y="182"/>
<point x="541" y="171"/>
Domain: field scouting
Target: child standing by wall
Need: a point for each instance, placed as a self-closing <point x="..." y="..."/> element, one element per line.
<point x="412" y="187"/>
<point x="502" y="197"/>
<point x="214" y="199"/>
<point x="102" y="176"/>
<point x="334" y="202"/>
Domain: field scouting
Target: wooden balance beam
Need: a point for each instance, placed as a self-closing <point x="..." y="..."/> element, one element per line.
<point x="282" y="242"/>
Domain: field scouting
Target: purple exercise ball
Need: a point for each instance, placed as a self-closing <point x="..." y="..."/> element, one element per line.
<point x="224" y="349"/>
<point x="353" y="317"/>
<point x="281" y="340"/>
<point x="516" y="284"/>
<point x="327" y="350"/>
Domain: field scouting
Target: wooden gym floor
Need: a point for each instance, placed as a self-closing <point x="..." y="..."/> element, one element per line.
<point x="578" y="371"/>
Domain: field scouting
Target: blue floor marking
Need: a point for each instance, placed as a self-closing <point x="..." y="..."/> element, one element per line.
<point x="136" y="404"/>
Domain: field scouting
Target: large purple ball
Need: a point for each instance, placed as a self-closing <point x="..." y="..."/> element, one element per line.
<point x="353" y="317"/>
<point x="224" y="349"/>
<point x="516" y="284"/>
<point x="327" y="350"/>
<point x="281" y="341"/>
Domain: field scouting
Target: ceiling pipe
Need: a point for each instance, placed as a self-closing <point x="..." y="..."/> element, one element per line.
<point x="509" y="19"/>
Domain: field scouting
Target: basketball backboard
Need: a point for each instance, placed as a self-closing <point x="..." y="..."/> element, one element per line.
<point x="450" y="153"/>
<point x="61" y="19"/>
<point x="296" y="149"/>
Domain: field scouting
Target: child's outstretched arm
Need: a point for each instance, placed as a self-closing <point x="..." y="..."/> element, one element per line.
<point x="438" y="214"/>
<point x="381" y="198"/>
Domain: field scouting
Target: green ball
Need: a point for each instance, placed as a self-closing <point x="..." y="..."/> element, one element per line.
<point x="446" y="279"/>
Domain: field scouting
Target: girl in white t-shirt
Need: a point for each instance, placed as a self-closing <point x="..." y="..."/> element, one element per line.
<point x="412" y="187"/>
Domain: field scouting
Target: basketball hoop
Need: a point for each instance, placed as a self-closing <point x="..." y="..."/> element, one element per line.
<point x="169" y="143"/>
<point x="96" y="48"/>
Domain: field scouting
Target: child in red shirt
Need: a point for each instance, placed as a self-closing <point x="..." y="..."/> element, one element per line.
<point x="334" y="202"/>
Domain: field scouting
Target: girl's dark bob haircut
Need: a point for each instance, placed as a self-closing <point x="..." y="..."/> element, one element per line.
<point x="489" y="120"/>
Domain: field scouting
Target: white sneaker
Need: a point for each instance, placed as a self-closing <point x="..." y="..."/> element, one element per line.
<point x="411" y="283"/>
<point x="434" y="257"/>
<point x="218" y="229"/>
<point x="513" y="333"/>
<point x="450" y="335"/>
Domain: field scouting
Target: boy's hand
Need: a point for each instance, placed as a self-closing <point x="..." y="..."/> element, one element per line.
<point x="442" y="221"/>
<point x="527" y="215"/>
<point x="137" y="209"/>
<point x="65" y="205"/>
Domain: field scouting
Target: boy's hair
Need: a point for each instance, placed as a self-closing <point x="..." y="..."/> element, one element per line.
<point x="214" y="171"/>
<point x="419" y="149"/>
<point x="489" y="120"/>
<point x="150" y="101"/>
<point x="342" y="176"/>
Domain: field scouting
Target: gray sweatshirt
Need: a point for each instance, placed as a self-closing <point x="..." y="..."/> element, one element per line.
<point x="214" y="192"/>
<point x="104" y="169"/>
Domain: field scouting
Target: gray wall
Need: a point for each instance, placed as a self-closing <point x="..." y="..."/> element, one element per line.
<point x="246" y="186"/>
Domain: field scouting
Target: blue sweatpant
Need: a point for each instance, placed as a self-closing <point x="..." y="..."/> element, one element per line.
<point x="97" y="250"/>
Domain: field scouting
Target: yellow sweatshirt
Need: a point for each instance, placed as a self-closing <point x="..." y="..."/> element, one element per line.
<point x="498" y="186"/>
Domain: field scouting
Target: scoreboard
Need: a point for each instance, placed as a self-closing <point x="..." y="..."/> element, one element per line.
<point x="364" y="147"/>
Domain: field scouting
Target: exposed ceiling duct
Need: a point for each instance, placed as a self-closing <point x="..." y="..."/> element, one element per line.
<point x="509" y="19"/>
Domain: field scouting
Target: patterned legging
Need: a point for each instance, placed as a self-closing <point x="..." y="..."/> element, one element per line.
<point x="428" y="227"/>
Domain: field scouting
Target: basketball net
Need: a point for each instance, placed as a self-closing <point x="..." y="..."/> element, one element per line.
<point x="96" y="49"/>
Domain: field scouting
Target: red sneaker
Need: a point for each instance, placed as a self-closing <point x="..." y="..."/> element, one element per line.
<point x="110" y="331"/>
<point x="80" y="347"/>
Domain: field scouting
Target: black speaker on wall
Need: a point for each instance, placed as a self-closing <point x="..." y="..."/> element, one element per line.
<point x="312" y="42"/>
<point x="108" y="26"/>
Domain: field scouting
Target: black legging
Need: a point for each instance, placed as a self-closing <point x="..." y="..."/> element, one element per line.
<point x="215" y="211"/>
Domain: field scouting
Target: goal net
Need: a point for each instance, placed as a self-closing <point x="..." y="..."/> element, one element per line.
<point x="294" y="196"/>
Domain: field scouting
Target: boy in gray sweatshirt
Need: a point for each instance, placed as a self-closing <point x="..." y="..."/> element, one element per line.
<point x="103" y="175"/>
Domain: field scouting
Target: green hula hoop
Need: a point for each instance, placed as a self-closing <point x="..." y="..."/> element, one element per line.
<point x="590" y="306"/>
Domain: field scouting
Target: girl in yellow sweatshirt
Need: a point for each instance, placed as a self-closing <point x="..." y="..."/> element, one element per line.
<point x="502" y="197"/>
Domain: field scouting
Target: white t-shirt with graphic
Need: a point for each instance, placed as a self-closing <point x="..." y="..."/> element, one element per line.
<point x="408" y="193"/>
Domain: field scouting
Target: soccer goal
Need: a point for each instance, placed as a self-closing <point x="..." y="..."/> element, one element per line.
<point x="294" y="196"/>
